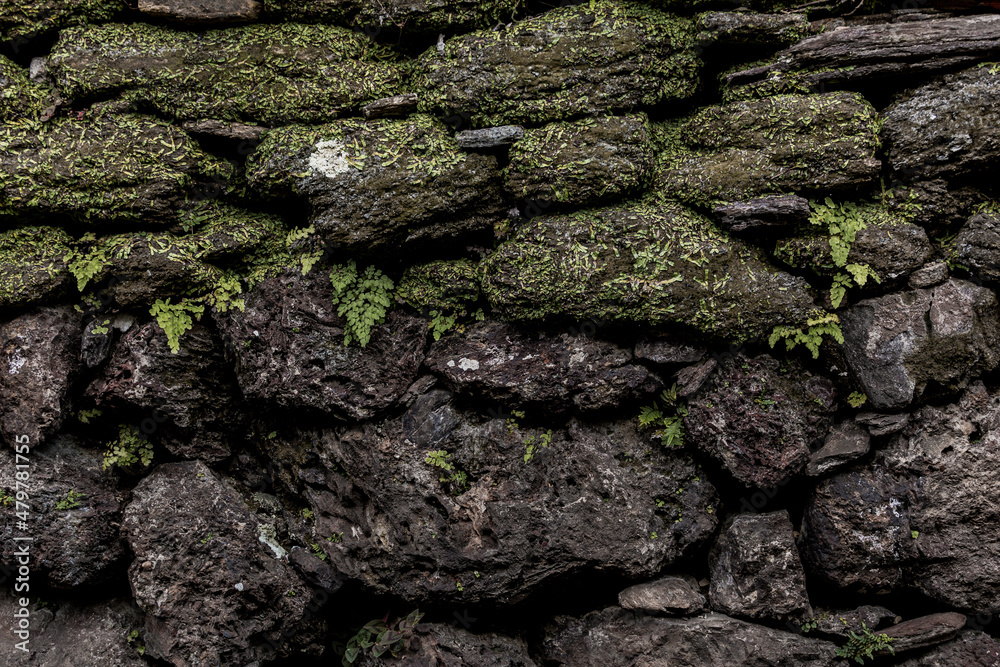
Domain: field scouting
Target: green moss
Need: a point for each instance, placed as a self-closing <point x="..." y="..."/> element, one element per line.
<point x="441" y="285"/>
<point x="266" y="73"/>
<point x="441" y="15"/>
<point x="605" y="55"/>
<point x="31" y="264"/>
<point x="25" y="18"/>
<point x="19" y="96"/>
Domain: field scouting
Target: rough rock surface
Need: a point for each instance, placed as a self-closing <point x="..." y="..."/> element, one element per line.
<point x="22" y="19"/>
<point x="40" y="356"/>
<point x="905" y="345"/>
<point x="619" y="638"/>
<point x="70" y="633"/>
<point x="756" y="216"/>
<point x="448" y="646"/>
<point x="298" y="359"/>
<point x="202" y="11"/>
<point x="582" y="162"/>
<point x="585" y="502"/>
<point x="925" y="631"/>
<point x="759" y="419"/>
<point x="20" y="98"/>
<point x="845" y="443"/>
<point x="212" y="591"/>
<point x="32" y="265"/>
<point x="121" y="167"/>
<point x="948" y="127"/>
<point x="191" y="396"/>
<point x="978" y="245"/>
<point x="972" y="648"/>
<point x="607" y="55"/>
<point x="739" y="151"/>
<point x="755" y="569"/>
<point x="217" y="75"/>
<point x="504" y="363"/>
<point x="381" y="184"/>
<point x="649" y="262"/>
<point x="75" y="546"/>
<point x="386" y="18"/>
<point x="677" y="596"/>
<point x="751" y="29"/>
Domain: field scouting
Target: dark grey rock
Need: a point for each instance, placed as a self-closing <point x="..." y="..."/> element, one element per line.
<point x="978" y="246"/>
<point x="490" y="137"/>
<point x="202" y="11"/>
<point x="675" y="596"/>
<point x="845" y="443"/>
<point x="925" y="631"/>
<point x="752" y="29"/>
<point x="880" y="424"/>
<point x="971" y="649"/>
<point x="838" y="624"/>
<point x="929" y="275"/>
<point x="770" y="213"/>
<point x="391" y="107"/>
<point x="668" y="352"/>
<point x="447" y="645"/>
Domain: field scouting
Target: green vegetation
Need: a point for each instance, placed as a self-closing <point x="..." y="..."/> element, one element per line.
<point x="130" y="449"/>
<point x="362" y="299"/>
<point x="842" y="222"/>
<point x="71" y="501"/>
<point x="667" y="420"/>
<point x="445" y="291"/>
<point x="864" y="645"/>
<point x="819" y="324"/>
<point x="533" y="444"/>
<point x="175" y="319"/>
<point x="457" y="478"/>
<point x="377" y="637"/>
<point x="857" y="399"/>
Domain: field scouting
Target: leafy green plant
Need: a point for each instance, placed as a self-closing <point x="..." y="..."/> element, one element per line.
<point x="811" y="335"/>
<point x="439" y="459"/>
<point x="362" y="299"/>
<point x="857" y="399"/>
<point x="668" y="420"/>
<point x="175" y="319"/>
<point x="318" y="551"/>
<point x="842" y="222"/>
<point x="133" y="638"/>
<point x="532" y="444"/>
<point x="86" y="415"/>
<point x="378" y="637"/>
<point x="6" y="499"/>
<point x="949" y="248"/>
<point x="129" y="449"/>
<point x="864" y="645"/>
<point x="71" y="501"/>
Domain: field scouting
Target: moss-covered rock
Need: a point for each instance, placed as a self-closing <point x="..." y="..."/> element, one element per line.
<point x="372" y="184"/>
<point x="582" y="162"/>
<point x="738" y="151"/>
<point x="109" y="168"/>
<point x="32" y="265"/>
<point x="889" y="244"/>
<point x="265" y="73"/>
<point x="20" y="19"/>
<point x="750" y="29"/>
<point x="651" y="262"/>
<point x="606" y="55"/>
<point x="441" y="285"/>
<point x="397" y="16"/>
<point x="19" y="96"/>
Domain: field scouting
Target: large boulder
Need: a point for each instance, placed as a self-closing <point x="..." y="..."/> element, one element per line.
<point x="218" y="74"/>
<point x="606" y="55"/>
<point x="617" y="638"/>
<point x="33" y="265"/>
<point x="212" y="589"/>
<point x="75" y="512"/>
<point x="192" y="393"/>
<point x="41" y="359"/>
<point x="299" y="360"/>
<point x="381" y="184"/>
<point x="653" y="262"/>
<point x="759" y="419"/>
<point x="756" y="571"/>
<point x="734" y="152"/>
<point x="582" y="162"/>
<point x="508" y="364"/>
<point x="440" y="505"/>
<point x="906" y="345"/>
<point x="947" y="128"/>
<point x="873" y="52"/>
<point x="103" y="169"/>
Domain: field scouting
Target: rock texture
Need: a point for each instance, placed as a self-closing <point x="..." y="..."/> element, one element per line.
<point x="669" y="595"/>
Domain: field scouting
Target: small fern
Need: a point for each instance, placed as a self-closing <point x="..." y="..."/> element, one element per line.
<point x="843" y="222"/>
<point x="439" y="459"/>
<point x="362" y="299"/>
<point x="669" y="427"/>
<point x="130" y="448"/>
<point x="811" y="335"/>
<point x="864" y="645"/>
<point x="175" y="319"/>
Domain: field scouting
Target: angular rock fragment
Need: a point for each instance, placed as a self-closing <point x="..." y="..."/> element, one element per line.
<point x="760" y="420"/>
<point x="442" y="505"/>
<point x="109" y="168"/>
<point x="845" y="443"/>
<point x="383" y="183"/>
<point x="40" y="357"/>
<point x="23" y="19"/>
<point x="608" y="55"/>
<point x="508" y="364"/>
<point x="925" y="631"/>
<point x="908" y="344"/>
<point x="872" y="53"/>
<point x="948" y="127"/>
<point x="740" y="151"/>
<point x="617" y="638"/>
<point x="655" y="263"/>
<point x="228" y="599"/>
<point x="391" y="107"/>
<point x="312" y="73"/>
<point x="836" y="624"/>
<point x="666" y="352"/>
<point x="32" y="265"/>
<point x="676" y="596"/>
<point x="74" y="633"/>
<point x="75" y="515"/>
<point x="582" y="162"/>
<point x="490" y="137"/>
<point x="931" y="274"/>
<point x="755" y="569"/>
<point x="190" y="395"/>
<point x="770" y="213"/>
<point x="299" y="361"/>
<point x="202" y="11"/>
<point x="978" y="245"/>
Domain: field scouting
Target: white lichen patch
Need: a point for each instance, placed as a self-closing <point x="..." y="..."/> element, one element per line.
<point x="15" y="362"/>
<point x="269" y="536"/>
<point x="329" y="159"/>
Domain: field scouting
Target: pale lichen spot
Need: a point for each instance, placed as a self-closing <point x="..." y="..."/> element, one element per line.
<point x="329" y="159"/>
